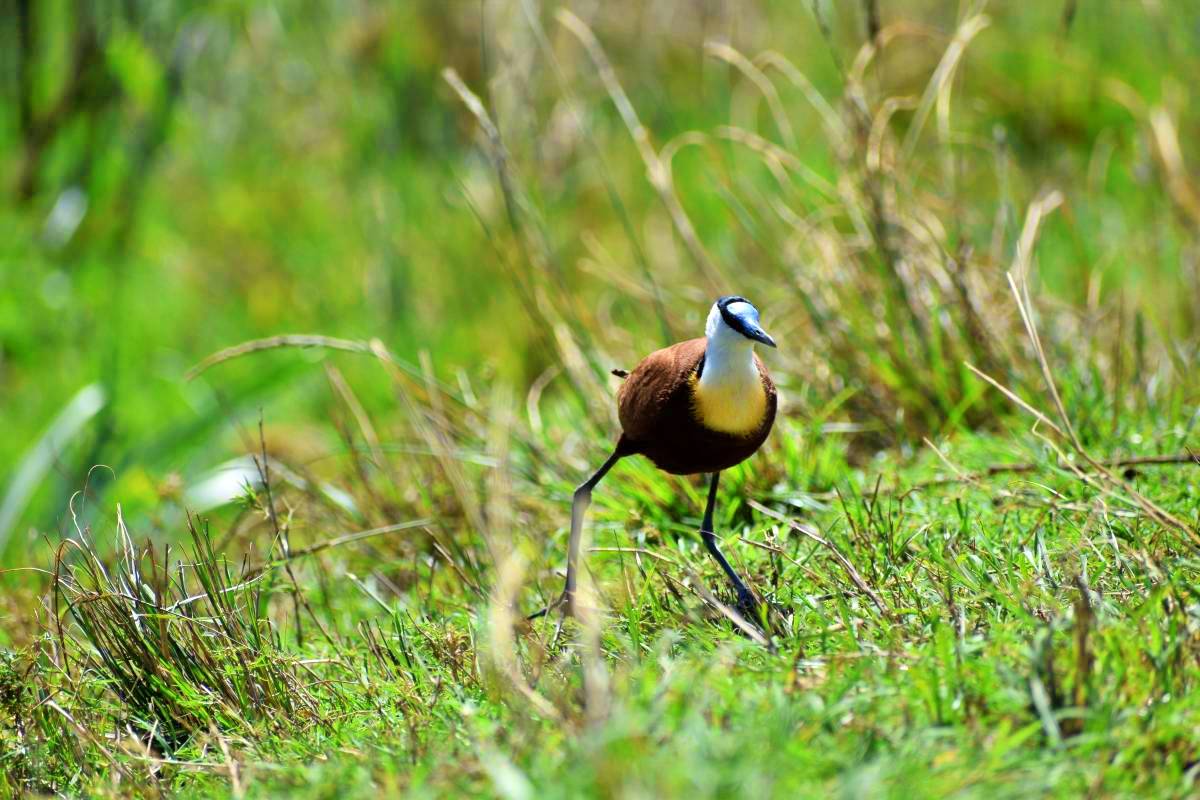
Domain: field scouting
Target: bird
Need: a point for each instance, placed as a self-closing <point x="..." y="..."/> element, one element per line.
<point x="699" y="406"/>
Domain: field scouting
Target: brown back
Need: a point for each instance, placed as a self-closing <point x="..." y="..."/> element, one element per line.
<point x="655" y="408"/>
<point x="654" y="384"/>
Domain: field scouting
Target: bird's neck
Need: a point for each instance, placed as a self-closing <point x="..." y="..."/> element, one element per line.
<point x="729" y="395"/>
<point x="728" y="362"/>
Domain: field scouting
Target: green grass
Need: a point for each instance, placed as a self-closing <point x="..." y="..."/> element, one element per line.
<point x="976" y="595"/>
<point x="1031" y="640"/>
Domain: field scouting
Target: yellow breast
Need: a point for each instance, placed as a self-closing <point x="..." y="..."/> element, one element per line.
<point x="733" y="407"/>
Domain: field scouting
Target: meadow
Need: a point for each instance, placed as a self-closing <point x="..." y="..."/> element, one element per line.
<point x="307" y="318"/>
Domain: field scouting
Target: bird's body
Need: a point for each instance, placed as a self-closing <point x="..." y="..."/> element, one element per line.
<point x="686" y="424"/>
<point x="702" y="405"/>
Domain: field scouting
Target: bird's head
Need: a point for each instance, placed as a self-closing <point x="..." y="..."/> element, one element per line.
<point x="733" y="319"/>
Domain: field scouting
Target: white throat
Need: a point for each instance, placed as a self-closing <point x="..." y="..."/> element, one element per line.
<point x="728" y="356"/>
<point x="729" y="395"/>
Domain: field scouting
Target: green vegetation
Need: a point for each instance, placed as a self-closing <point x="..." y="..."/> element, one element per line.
<point x="300" y="567"/>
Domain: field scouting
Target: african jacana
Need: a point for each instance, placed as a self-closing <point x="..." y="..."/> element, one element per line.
<point x="702" y="405"/>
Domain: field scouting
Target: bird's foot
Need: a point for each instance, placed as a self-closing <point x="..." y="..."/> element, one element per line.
<point x="762" y="613"/>
<point x="563" y="605"/>
<point x="748" y="606"/>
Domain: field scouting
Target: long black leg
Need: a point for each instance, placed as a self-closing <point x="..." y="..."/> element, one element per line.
<point x="746" y="600"/>
<point x="579" y="506"/>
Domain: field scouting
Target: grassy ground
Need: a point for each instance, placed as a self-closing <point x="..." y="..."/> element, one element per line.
<point x="1021" y="636"/>
<point x="302" y="570"/>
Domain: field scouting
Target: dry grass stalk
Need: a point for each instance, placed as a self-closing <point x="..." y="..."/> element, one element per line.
<point x="851" y="571"/>
<point x="1018" y="279"/>
<point x="658" y="171"/>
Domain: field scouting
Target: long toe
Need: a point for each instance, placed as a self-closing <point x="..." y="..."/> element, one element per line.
<point x="748" y="607"/>
<point x="769" y="617"/>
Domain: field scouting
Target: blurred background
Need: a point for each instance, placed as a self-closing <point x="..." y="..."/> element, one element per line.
<point x="176" y="178"/>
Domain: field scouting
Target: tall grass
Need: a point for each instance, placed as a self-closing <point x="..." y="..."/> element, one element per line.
<point x="886" y="273"/>
<point x="1010" y="611"/>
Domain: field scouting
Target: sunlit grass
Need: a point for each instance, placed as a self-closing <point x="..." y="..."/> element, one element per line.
<point x="437" y="230"/>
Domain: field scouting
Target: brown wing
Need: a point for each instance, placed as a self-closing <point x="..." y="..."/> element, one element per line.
<point x="656" y="386"/>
